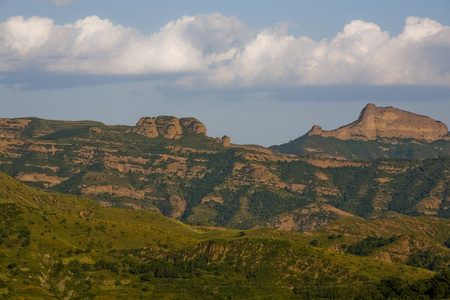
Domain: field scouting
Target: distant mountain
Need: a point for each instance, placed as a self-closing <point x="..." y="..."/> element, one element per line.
<point x="379" y="132"/>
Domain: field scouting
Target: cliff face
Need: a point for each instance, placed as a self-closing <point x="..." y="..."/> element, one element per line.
<point x="387" y="122"/>
<point x="168" y="127"/>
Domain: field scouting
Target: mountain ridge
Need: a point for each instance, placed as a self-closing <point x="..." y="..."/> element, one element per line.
<point x="197" y="179"/>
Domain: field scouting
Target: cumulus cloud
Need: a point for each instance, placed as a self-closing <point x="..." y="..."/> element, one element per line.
<point x="360" y="54"/>
<point x="220" y="51"/>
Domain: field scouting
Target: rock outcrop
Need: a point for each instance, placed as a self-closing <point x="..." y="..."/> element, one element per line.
<point x="193" y="125"/>
<point x="226" y="141"/>
<point x="168" y="127"/>
<point x="146" y="127"/>
<point x="387" y="122"/>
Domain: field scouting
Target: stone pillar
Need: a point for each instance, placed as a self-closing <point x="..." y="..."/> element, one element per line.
<point x="226" y="141"/>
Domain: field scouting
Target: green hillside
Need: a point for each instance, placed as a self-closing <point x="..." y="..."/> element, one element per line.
<point x="61" y="246"/>
<point x="364" y="150"/>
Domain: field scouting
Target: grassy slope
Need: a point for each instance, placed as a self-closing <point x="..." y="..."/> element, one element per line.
<point x="53" y="245"/>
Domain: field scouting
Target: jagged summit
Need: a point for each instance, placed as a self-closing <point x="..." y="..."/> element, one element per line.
<point x="387" y="122"/>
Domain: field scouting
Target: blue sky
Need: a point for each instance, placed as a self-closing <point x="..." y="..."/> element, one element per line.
<point x="262" y="72"/>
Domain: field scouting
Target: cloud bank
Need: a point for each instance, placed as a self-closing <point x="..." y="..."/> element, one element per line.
<point x="217" y="51"/>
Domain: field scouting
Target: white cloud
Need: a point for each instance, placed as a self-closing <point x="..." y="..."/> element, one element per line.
<point x="219" y="51"/>
<point x="95" y="46"/>
<point x="24" y="36"/>
<point x="360" y="54"/>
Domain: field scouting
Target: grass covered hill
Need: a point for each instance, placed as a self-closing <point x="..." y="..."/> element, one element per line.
<point x="61" y="246"/>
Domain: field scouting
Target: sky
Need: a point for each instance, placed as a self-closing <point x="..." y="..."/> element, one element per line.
<point x="260" y="71"/>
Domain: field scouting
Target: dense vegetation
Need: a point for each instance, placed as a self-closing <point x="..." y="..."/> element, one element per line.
<point x="417" y="183"/>
<point x="266" y="203"/>
<point x="356" y="184"/>
<point x="437" y="287"/>
<point x="368" y="245"/>
<point x="221" y="166"/>
<point x="428" y="260"/>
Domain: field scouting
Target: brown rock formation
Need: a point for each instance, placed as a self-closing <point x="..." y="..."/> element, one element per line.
<point x="226" y="141"/>
<point x="387" y="122"/>
<point x="193" y="125"/>
<point x="117" y="191"/>
<point x="315" y="130"/>
<point x="147" y="127"/>
<point x="168" y="127"/>
<point x="47" y="180"/>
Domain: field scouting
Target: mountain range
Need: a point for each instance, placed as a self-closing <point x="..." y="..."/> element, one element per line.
<point x="161" y="210"/>
<point x="171" y="166"/>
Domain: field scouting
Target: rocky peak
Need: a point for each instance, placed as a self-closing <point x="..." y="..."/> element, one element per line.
<point x="387" y="122"/>
<point x="315" y="130"/>
<point x="193" y="125"/>
<point x="168" y="127"/>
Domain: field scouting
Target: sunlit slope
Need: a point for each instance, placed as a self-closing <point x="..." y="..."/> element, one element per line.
<point x="79" y="249"/>
<point x="48" y="252"/>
